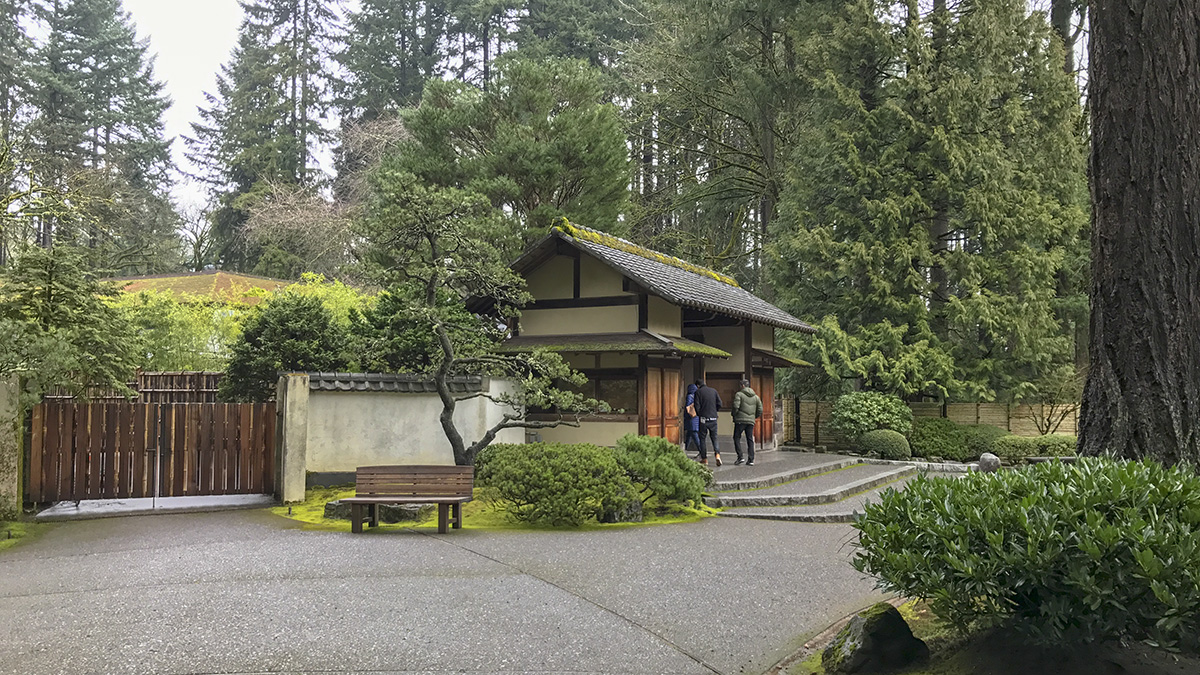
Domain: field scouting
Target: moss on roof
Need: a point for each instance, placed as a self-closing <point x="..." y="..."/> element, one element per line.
<point x="596" y="237"/>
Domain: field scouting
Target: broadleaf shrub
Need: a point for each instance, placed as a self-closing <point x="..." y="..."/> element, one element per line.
<point x="553" y="483"/>
<point x="1088" y="551"/>
<point x="981" y="438"/>
<point x="1015" y="447"/>
<point x="857" y="413"/>
<point x="938" y="437"/>
<point x="1056" y="445"/>
<point x="886" y="443"/>
<point x="659" y="468"/>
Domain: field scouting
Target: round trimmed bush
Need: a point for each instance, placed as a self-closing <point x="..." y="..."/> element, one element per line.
<point x="1089" y="551"/>
<point x="981" y="438"/>
<point x="886" y="443"/>
<point x="855" y="414"/>
<point x="553" y="483"/>
<point x="937" y="437"/>
<point x="1015" y="448"/>
<point x="1056" y="445"/>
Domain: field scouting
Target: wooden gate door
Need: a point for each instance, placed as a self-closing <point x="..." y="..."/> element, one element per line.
<point x="130" y="450"/>
<point x="764" y="427"/>
<point x="662" y="403"/>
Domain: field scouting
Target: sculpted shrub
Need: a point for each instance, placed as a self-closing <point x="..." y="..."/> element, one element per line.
<point x="886" y="443"/>
<point x="552" y="483"/>
<point x="937" y="437"/>
<point x="981" y="438"/>
<point x="659" y="468"/>
<point x="856" y="414"/>
<point x="1063" y="552"/>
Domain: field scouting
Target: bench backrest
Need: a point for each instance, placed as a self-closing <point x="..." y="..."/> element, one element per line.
<point x="414" y="481"/>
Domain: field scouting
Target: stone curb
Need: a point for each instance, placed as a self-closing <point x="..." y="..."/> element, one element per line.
<point x="939" y="467"/>
<point x="779" y="478"/>
<point x="112" y="508"/>
<point x="826" y="497"/>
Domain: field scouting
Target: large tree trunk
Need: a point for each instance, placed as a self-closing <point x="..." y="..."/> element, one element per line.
<point x="1143" y="390"/>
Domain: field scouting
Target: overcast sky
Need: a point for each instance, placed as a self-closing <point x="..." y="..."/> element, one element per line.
<point x="192" y="40"/>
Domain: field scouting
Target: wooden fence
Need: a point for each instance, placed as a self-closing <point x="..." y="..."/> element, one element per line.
<point x="810" y="419"/>
<point x="164" y="387"/>
<point x="128" y="450"/>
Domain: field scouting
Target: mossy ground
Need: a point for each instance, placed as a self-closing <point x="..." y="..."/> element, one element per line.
<point x="479" y="514"/>
<point x="1002" y="653"/>
<point x="14" y="532"/>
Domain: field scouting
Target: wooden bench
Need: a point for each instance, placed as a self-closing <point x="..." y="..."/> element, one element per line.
<point x="447" y="486"/>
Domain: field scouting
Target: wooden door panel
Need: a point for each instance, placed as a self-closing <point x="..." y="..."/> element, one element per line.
<point x="672" y="413"/>
<point x="654" y="407"/>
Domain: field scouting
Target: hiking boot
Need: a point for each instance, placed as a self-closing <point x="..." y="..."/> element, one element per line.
<point x="717" y="456"/>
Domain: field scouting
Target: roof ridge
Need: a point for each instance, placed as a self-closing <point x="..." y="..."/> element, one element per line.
<point x="604" y="239"/>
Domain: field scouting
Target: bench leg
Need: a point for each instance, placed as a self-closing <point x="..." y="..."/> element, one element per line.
<point x="443" y="516"/>
<point x="374" y="515"/>
<point x="458" y="516"/>
<point x="356" y="518"/>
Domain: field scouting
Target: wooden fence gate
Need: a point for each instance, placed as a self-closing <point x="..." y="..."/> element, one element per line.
<point x="123" y="450"/>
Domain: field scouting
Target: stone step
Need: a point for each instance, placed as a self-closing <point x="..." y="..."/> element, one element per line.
<point x="764" y="475"/>
<point x="843" y="511"/>
<point x="821" y="489"/>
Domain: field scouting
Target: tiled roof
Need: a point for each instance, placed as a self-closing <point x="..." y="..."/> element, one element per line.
<point x="643" y="342"/>
<point x="675" y="281"/>
<point x="387" y="382"/>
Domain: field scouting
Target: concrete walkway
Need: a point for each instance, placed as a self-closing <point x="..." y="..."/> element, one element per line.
<point x="90" y="509"/>
<point x="248" y="592"/>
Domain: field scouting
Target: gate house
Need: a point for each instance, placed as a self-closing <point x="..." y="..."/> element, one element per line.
<point x="641" y="325"/>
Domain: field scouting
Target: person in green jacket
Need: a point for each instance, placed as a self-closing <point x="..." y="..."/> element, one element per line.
<point x="747" y="407"/>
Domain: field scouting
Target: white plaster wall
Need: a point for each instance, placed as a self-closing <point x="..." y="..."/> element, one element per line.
<point x="596" y="433"/>
<point x="553" y="279"/>
<point x="597" y="280"/>
<point x="580" y="320"/>
<point x="351" y="429"/>
<point x="663" y="317"/>
<point x="618" y="360"/>
<point x="764" y="337"/>
<point x="731" y="339"/>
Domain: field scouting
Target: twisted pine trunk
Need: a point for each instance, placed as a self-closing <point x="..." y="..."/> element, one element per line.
<point x="1142" y="397"/>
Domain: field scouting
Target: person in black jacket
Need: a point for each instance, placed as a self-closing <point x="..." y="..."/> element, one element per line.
<point x="708" y="402"/>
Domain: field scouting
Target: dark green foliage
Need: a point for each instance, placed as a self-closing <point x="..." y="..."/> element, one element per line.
<point x="886" y="443"/>
<point x="659" y="468"/>
<point x="57" y="327"/>
<point x="291" y="333"/>
<point x="856" y="414"/>
<point x="1062" y="552"/>
<point x="937" y="437"/>
<point x="981" y="438"/>
<point x="552" y="483"/>
<point x="1020" y="447"/>
<point x="541" y="142"/>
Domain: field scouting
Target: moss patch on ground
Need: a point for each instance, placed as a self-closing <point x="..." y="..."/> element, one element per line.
<point x="1000" y="652"/>
<point x="14" y="532"/>
<point x="479" y="514"/>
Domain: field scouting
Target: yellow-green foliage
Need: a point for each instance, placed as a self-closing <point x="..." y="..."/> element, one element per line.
<point x="341" y="300"/>
<point x="182" y="334"/>
<point x="610" y="241"/>
<point x="480" y="514"/>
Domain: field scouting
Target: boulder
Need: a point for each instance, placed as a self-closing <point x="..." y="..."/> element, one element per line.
<point x="875" y="640"/>
<point x="622" y="510"/>
<point x="388" y="513"/>
<point x="989" y="463"/>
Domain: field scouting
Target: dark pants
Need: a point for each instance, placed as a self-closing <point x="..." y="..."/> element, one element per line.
<point x="748" y="430"/>
<point x="691" y="438"/>
<point x="708" y="427"/>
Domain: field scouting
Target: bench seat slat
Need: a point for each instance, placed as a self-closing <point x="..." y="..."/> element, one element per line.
<point x="406" y="500"/>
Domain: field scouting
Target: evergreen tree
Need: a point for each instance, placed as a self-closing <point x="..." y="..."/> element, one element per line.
<point x="541" y="143"/>
<point x="934" y="201"/>
<point x="262" y="125"/>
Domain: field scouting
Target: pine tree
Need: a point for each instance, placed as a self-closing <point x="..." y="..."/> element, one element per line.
<point x="541" y="143"/>
<point x="262" y="125"/>
<point x="934" y="200"/>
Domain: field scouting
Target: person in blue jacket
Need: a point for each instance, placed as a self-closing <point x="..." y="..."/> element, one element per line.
<point x="691" y="423"/>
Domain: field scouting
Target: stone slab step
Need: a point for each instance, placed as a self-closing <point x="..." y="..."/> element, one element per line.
<point x="822" y="489"/>
<point x="778" y="472"/>
<point x="844" y="511"/>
